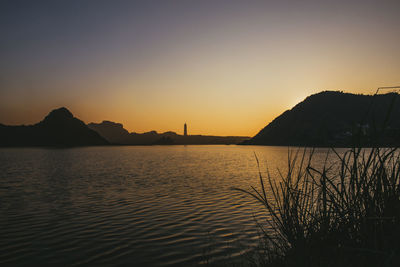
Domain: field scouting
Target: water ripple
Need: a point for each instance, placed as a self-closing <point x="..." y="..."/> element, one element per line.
<point x="119" y="206"/>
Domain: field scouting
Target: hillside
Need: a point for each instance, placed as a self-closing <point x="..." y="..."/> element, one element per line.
<point x="116" y="134"/>
<point x="111" y="131"/>
<point x="58" y="128"/>
<point x="335" y="119"/>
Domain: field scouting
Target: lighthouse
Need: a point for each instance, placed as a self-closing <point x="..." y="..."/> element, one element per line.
<point x="185" y="129"/>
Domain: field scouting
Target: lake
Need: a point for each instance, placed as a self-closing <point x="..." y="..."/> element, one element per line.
<point x="131" y="205"/>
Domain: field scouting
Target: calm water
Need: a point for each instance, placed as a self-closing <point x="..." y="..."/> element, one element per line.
<point x="125" y="206"/>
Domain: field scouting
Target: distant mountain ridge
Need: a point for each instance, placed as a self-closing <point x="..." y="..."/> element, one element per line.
<point x="58" y="128"/>
<point x="111" y="131"/>
<point x="329" y="118"/>
<point x="61" y="128"/>
<point x="116" y="134"/>
<point x="333" y="118"/>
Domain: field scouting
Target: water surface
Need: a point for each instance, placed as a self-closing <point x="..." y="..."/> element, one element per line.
<point x="143" y="206"/>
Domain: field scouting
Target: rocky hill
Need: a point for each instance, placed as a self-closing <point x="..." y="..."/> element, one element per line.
<point x="116" y="134"/>
<point x="336" y="119"/>
<point x="58" y="128"/>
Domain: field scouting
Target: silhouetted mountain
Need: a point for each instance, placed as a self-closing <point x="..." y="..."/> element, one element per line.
<point x="116" y="134"/>
<point x="59" y="128"/>
<point x="336" y="119"/>
<point x="111" y="131"/>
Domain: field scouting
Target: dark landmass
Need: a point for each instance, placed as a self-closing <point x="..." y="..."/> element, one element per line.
<point x="336" y="119"/>
<point x="111" y="131"/>
<point x="116" y="134"/>
<point x="59" y="128"/>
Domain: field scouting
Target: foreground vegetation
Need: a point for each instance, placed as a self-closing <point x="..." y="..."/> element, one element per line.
<point x="343" y="214"/>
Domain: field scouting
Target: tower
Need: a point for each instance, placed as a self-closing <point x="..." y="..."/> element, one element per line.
<point x="185" y="129"/>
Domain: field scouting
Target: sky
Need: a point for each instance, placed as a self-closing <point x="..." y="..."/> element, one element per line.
<point x="224" y="67"/>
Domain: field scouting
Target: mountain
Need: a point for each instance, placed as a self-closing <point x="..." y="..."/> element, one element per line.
<point x="116" y="134"/>
<point x="58" y="128"/>
<point x="332" y="118"/>
<point x="111" y="131"/>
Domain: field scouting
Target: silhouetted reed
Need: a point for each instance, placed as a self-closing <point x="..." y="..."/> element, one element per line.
<point x="343" y="214"/>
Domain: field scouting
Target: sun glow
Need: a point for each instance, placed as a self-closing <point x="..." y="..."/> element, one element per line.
<point x="227" y="71"/>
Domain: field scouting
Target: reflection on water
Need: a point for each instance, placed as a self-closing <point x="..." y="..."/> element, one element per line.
<point x="153" y="206"/>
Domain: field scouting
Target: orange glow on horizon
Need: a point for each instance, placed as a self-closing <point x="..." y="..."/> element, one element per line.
<point x="226" y="69"/>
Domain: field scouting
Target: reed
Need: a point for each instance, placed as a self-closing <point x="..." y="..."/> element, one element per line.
<point x="346" y="213"/>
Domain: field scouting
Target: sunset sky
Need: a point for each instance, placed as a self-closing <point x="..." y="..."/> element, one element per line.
<point x="224" y="67"/>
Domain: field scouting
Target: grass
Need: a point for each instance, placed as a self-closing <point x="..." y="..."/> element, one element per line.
<point x="346" y="213"/>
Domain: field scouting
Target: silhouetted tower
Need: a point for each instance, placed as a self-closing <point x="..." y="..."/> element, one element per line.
<point x="185" y="129"/>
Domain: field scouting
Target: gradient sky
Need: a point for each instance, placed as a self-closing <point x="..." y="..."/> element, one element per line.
<point x="224" y="67"/>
